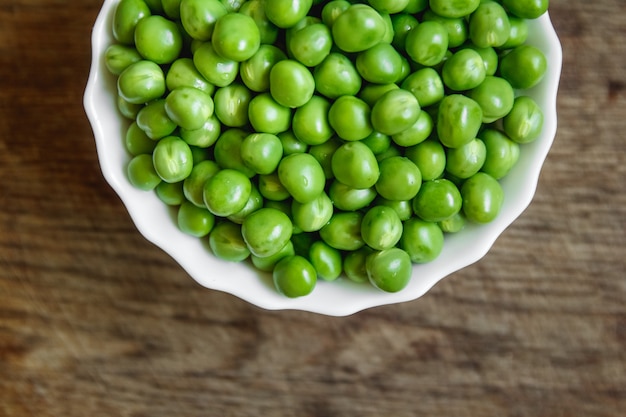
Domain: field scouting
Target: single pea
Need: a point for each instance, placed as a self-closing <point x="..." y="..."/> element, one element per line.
<point x="454" y="9"/>
<point x="266" y="231"/>
<point x="154" y="120"/>
<point x="518" y="33"/>
<point x="326" y="260"/>
<point x="310" y="122"/>
<point x="403" y="208"/>
<point x="267" y="263"/>
<point x="370" y="93"/>
<point x="171" y="8"/>
<point x="458" y="120"/>
<point x="193" y="185"/>
<point x="495" y="96"/>
<point x="400" y="179"/>
<point x="125" y="18"/>
<point x="204" y="137"/>
<point x="286" y="13"/>
<point x="155" y="6"/>
<point x="402" y="23"/>
<point x="119" y="57"/>
<point x="380" y="64"/>
<point x="312" y="216"/>
<point x="291" y="144"/>
<point x="216" y="69"/>
<point x="291" y="83"/>
<point x="482" y="198"/>
<point x="396" y="111"/>
<point x="416" y="6"/>
<point x="226" y="192"/>
<point x="381" y="228"/>
<point x="524" y="67"/>
<point x="226" y="242"/>
<point x="337" y="76"/>
<point x="199" y="154"/>
<point x="198" y="17"/>
<point x="422" y="240"/>
<point x="158" y="39"/>
<point x="141" y="82"/>
<point x="227" y="151"/>
<point x="170" y="193"/>
<point x="355" y="165"/>
<point x="378" y="142"/>
<point x="501" y="153"/>
<point x="466" y="160"/>
<point x="271" y="188"/>
<point x="183" y="73"/>
<point x="389" y="270"/>
<point x="254" y="203"/>
<point x="324" y="154"/>
<point x="524" y="122"/>
<point x="343" y="231"/>
<point x="136" y="141"/>
<point x="358" y="28"/>
<point x="464" y="70"/>
<point x="262" y="152"/>
<point x="526" y="9"/>
<point x="128" y="110"/>
<point x="426" y="85"/>
<point x="255" y="72"/>
<point x="437" y="200"/>
<point x="427" y="43"/>
<point x="189" y="107"/>
<point x="417" y="132"/>
<point x="231" y="104"/>
<point x="389" y="6"/>
<point x="453" y="224"/>
<point x="311" y="44"/>
<point x="256" y="10"/>
<point x="332" y="9"/>
<point x="455" y="26"/>
<point x="354" y="264"/>
<point x="349" y="198"/>
<point x="489" y="25"/>
<point x="302" y="176"/>
<point x="294" y="276"/>
<point x="489" y="56"/>
<point x="193" y="220"/>
<point x="430" y="157"/>
<point x="141" y="173"/>
<point x="172" y="159"/>
<point x="350" y="117"/>
<point x="236" y="37"/>
<point x="267" y="115"/>
<point x="392" y="151"/>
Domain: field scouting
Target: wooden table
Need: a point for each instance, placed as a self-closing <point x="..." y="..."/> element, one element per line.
<point x="96" y="321"/>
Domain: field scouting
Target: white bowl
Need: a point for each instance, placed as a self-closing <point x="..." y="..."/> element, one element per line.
<point x="342" y="297"/>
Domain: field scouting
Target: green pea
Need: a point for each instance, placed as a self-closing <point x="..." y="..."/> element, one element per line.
<point x="524" y="67"/>
<point x="427" y="43"/>
<point x="141" y="82"/>
<point x="158" y="39"/>
<point x="378" y="142"/>
<point x="170" y="193"/>
<point x="262" y="152"/>
<point x="128" y="110"/>
<point x="380" y="64"/>
<point x="464" y="70"/>
<point x="354" y="264"/>
<point x="227" y="151"/>
<point x="302" y="176"/>
<point x="489" y="25"/>
<point x="466" y="160"/>
<point x="416" y="6"/>
<point x="294" y="276"/>
<point x="286" y="13"/>
<point x="236" y="37"/>
<point x="482" y="198"/>
<point x="291" y="83"/>
<point x="381" y="227"/>
<point x="348" y="198"/>
<point x="337" y="76"/>
<point x="402" y="23"/>
<point x="417" y="132"/>
<point x="400" y="179"/>
<point x="453" y="224"/>
<point x="267" y="115"/>
<point x="455" y="26"/>
<point x="403" y="208"/>
<point x="458" y="120"/>
<point x="332" y="9"/>
<point x="226" y="192"/>
<point x="172" y="159"/>
<point x="155" y="6"/>
<point x="370" y="93"/>
<point x="324" y="154"/>
<point x="127" y="14"/>
<point x="526" y="9"/>
<point x="255" y="72"/>
<point x="437" y="200"/>
<point x="171" y="8"/>
<point x="136" y="141"/>
<point x="495" y="96"/>
<point x="267" y="30"/>
<point x="266" y="231"/>
<point x="291" y="144"/>
<point x="119" y="57"/>
<point x="518" y="33"/>
<point x="216" y="69"/>
<point x="198" y="17"/>
<point x="231" y="104"/>
<point x="426" y="85"/>
<point x="355" y="165"/>
<point x="389" y="270"/>
<point x="343" y="231"/>
<point x="271" y="188"/>
<point x="454" y="9"/>
<point x="396" y="111"/>
<point x="141" y="173"/>
<point x="189" y="107"/>
<point x="310" y="122"/>
<point x="422" y="240"/>
<point x="501" y="153"/>
<point x="311" y="44"/>
<point x="193" y="220"/>
<point x="226" y="242"/>
<point x="389" y="6"/>
<point x="350" y="117"/>
<point x="430" y="157"/>
<point x="193" y="185"/>
<point x="312" y="216"/>
<point x="488" y="55"/>
<point x="154" y="120"/>
<point x="183" y="73"/>
<point x="524" y="123"/>
<point x="204" y="137"/>
<point x="254" y="203"/>
<point x="267" y="263"/>
<point x="358" y="28"/>
<point x="326" y="260"/>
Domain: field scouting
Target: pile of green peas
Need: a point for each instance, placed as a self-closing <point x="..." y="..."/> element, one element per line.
<point x="320" y="139"/>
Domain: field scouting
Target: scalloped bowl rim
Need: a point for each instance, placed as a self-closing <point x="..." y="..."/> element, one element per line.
<point x="156" y="222"/>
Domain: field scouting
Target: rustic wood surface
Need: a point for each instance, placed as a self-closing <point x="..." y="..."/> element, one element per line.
<point x="96" y="321"/>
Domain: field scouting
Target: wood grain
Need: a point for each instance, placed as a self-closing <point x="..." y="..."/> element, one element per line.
<point x="95" y="321"/>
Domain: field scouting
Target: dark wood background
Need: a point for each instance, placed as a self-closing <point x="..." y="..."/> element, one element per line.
<point x="95" y="321"/>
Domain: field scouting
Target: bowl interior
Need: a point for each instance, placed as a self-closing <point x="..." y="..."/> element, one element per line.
<point x="157" y="223"/>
